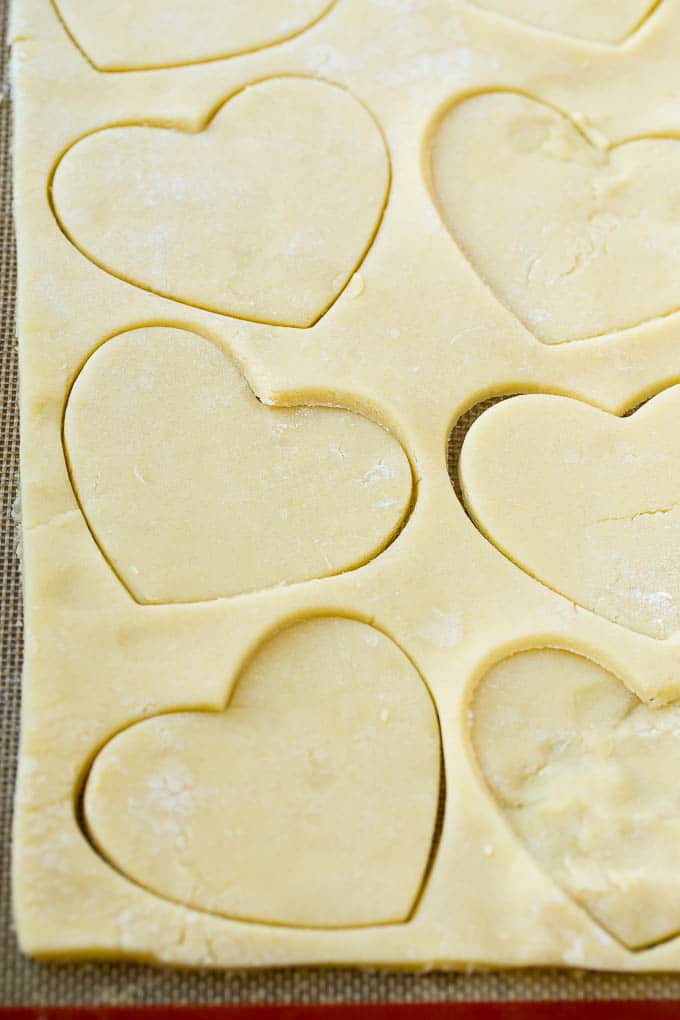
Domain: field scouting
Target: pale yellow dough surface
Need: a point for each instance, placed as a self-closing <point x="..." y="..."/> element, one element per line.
<point x="241" y="495"/>
<point x="287" y="698"/>
<point x="282" y="807"/>
<point x="598" y="22"/>
<point x="583" y="771"/>
<point x="283" y="189"/>
<point x="140" y="34"/>
<point x="544" y="474"/>
<point x="551" y="253"/>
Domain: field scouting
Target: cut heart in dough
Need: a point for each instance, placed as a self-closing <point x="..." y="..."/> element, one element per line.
<point x="586" y="775"/>
<point x="310" y="800"/>
<point x="594" y="20"/>
<point x="576" y="240"/>
<point x="584" y="501"/>
<point x="195" y="490"/>
<point x="264" y="214"/>
<point x="145" y="34"/>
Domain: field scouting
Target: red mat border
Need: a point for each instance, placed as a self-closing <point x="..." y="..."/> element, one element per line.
<point x="657" y="1009"/>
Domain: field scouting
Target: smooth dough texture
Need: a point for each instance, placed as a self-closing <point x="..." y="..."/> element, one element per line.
<point x="195" y="490"/>
<point x="575" y="238"/>
<point x="264" y="214"/>
<point x="291" y="697"/>
<point x="153" y="33"/>
<point x="600" y="22"/>
<point x="310" y="800"/>
<point x="584" y="771"/>
<point x="587" y="502"/>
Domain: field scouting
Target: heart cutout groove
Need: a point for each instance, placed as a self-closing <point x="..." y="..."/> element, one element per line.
<point x="264" y="214"/>
<point x="194" y="490"/>
<point x="146" y="35"/>
<point x="582" y="771"/>
<point x="584" y="501"/>
<point x="576" y="239"/>
<point x="589" y="21"/>
<point x="310" y="800"/>
<point x="459" y="431"/>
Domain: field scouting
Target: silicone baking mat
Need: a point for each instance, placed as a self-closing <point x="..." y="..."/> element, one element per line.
<point x="26" y="982"/>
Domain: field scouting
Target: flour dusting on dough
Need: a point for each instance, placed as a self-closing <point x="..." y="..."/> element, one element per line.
<point x="443" y="629"/>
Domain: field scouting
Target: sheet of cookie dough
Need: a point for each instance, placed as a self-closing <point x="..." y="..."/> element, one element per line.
<point x="287" y="699"/>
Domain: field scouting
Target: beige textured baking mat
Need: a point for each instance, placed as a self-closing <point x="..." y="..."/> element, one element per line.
<point x="26" y="982"/>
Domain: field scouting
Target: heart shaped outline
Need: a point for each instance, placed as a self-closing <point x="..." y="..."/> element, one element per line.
<point x="647" y="14"/>
<point x="203" y="124"/>
<point x="73" y="38"/>
<point x="469" y="416"/>
<point x="367" y="413"/>
<point x="239" y="670"/>
<point x="478" y="676"/>
<point x="607" y="148"/>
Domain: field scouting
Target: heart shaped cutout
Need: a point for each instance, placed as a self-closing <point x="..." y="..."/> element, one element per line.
<point x="584" y="773"/>
<point x="195" y="490"/>
<point x="148" y="34"/>
<point x="582" y="19"/>
<point x="586" y="502"/>
<point x="264" y="214"/>
<point x="576" y="240"/>
<point x="310" y="800"/>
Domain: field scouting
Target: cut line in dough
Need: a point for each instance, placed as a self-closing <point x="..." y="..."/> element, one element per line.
<point x="195" y="490"/>
<point x="584" y="501"/>
<point x="584" y="20"/>
<point x="459" y="431"/>
<point x="574" y="235"/>
<point x="152" y="35"/>
<point x="309" y="800"/>
<point x="285" y="182"/>
<point x="583" y="771"/>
